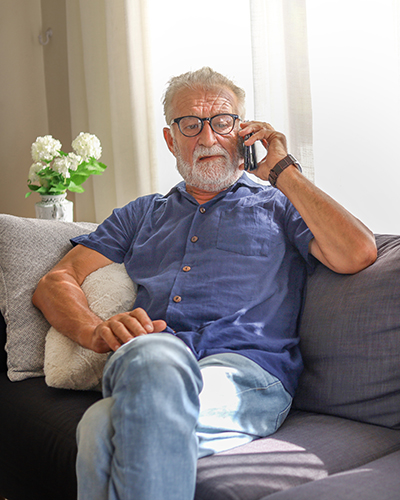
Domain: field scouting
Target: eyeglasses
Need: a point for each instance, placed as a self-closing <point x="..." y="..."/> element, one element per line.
<point x="190" y="126"/>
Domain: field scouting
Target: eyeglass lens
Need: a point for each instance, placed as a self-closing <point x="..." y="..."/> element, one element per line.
<point x="221" y="124"/>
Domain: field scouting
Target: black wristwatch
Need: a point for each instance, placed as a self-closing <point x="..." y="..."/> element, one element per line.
<point x="280" y="167"/>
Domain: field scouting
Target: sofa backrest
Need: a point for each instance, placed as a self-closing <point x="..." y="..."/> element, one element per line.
<point x="350" y="341"/>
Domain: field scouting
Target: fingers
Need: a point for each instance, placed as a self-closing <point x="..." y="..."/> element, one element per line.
<point x="261" y="131"/>
<point x="159" y="326"/>
<point x="122" y="328"/>
<point x="274" y="142"/>
<point x="256" y="128"/>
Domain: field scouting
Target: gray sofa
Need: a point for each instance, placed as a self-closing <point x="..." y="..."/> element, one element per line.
<point x="340" y="441"/>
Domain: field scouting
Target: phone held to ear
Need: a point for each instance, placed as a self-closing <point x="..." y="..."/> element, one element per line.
<point x="249" y="154"/>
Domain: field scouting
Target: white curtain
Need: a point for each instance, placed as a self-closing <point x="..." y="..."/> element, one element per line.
<point x="110" y="96"/>
<point x="282" y="94"/>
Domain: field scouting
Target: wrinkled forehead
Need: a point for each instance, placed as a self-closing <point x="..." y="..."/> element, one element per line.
<point x="203" y="102"/>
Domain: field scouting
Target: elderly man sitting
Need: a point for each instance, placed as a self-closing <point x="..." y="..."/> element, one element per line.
<point x="209" y="358"/>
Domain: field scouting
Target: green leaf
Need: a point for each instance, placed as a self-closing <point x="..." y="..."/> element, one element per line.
<point x="75" y="188"/>
<point x="33" y="187"/>
<point x="55" y="190"/>
<point x="78" y="178"/>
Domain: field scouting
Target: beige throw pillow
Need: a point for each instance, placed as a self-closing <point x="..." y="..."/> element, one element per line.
<point x="67" y="365"/>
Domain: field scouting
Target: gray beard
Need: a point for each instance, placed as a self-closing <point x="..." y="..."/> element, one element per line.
<point x="209" y="175"/>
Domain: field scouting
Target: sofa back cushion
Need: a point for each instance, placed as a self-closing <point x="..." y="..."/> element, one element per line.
<point x="350" y="341"/>
<point x="28" y="249"/>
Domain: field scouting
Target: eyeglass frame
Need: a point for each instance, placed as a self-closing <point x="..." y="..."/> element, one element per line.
<point x="202" y="120"/>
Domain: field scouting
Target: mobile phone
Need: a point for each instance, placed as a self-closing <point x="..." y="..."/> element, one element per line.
<point x="249" y="154"/>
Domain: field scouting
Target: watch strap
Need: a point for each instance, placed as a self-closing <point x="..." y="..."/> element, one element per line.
<point x="280" y="167"/>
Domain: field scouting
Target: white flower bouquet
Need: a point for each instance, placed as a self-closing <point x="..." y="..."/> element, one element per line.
<point x="55" y="172"/>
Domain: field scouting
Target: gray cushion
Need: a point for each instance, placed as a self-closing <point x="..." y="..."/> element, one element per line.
<point x="308" y="447"/>
<point x="376" y="480"/>
<point x="28" y="249"/>
<point x="350" y="340"/>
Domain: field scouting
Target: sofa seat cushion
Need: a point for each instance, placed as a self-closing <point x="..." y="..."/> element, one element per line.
<point x="376" y="480"/>
<point x="350" y="341"/>
<point x="37" y="428"/>
<point x="306" y="448"/>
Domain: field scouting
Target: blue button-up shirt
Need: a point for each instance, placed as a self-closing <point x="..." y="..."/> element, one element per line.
<point x="226" y="276"/>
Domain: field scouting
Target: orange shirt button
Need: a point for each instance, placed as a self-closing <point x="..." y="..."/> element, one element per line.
<point x="177" y="298"/>
<point x="193" y="239"/>
<point x="187" y="268"/>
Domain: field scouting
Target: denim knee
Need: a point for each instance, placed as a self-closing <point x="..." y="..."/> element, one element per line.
<point x="155" y="356"/>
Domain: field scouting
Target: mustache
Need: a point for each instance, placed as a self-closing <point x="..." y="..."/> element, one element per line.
<point x="202" y="151"/>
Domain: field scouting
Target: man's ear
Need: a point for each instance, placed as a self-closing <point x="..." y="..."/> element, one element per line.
<point x="169" y="139"/>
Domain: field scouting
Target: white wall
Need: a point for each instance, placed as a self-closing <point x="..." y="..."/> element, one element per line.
<point x="33" y="93"/>
<point x="22" y="100"/>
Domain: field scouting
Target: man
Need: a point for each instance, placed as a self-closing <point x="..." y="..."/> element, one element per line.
<point x="209" y="358"/>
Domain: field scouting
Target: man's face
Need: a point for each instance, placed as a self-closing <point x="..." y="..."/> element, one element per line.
<point x="208" y="161"/>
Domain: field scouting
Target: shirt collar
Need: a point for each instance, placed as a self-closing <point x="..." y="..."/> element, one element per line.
<point x="244" y="180"/>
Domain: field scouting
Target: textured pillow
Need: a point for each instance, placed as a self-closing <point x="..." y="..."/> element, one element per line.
<point x="28" y="249"/>
<point x="350" y="340"/>
<point x="67" y="365"/>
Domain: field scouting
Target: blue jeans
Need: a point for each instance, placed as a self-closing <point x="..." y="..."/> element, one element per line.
<point x="162" y="410"/>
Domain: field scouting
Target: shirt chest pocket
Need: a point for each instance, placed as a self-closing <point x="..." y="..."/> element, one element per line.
<point x="248" y="231"/>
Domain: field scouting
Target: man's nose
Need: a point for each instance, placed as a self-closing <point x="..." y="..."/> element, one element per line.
<point x="207" y="136"/>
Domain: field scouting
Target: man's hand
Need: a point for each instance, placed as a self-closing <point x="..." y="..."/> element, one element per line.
<point x="274" y="142"/>
<point x="119" y="329"/>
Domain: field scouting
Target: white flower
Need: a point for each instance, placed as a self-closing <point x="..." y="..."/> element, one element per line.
<point x="45" y="148"/>
<point x="74" y="161"/>
<point x="60" y="165"/>
<point x="87" y="145"/>
<point x="53" y="170"/>
<point x="35" y="168"/>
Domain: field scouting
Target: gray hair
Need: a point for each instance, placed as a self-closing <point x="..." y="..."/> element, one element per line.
<point x="204" y="78"/>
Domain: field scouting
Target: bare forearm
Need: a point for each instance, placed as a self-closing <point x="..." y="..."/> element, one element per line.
<point x="64" y="305"/>
<point x="341" y="241"/>
<point x="62" y="301"/>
